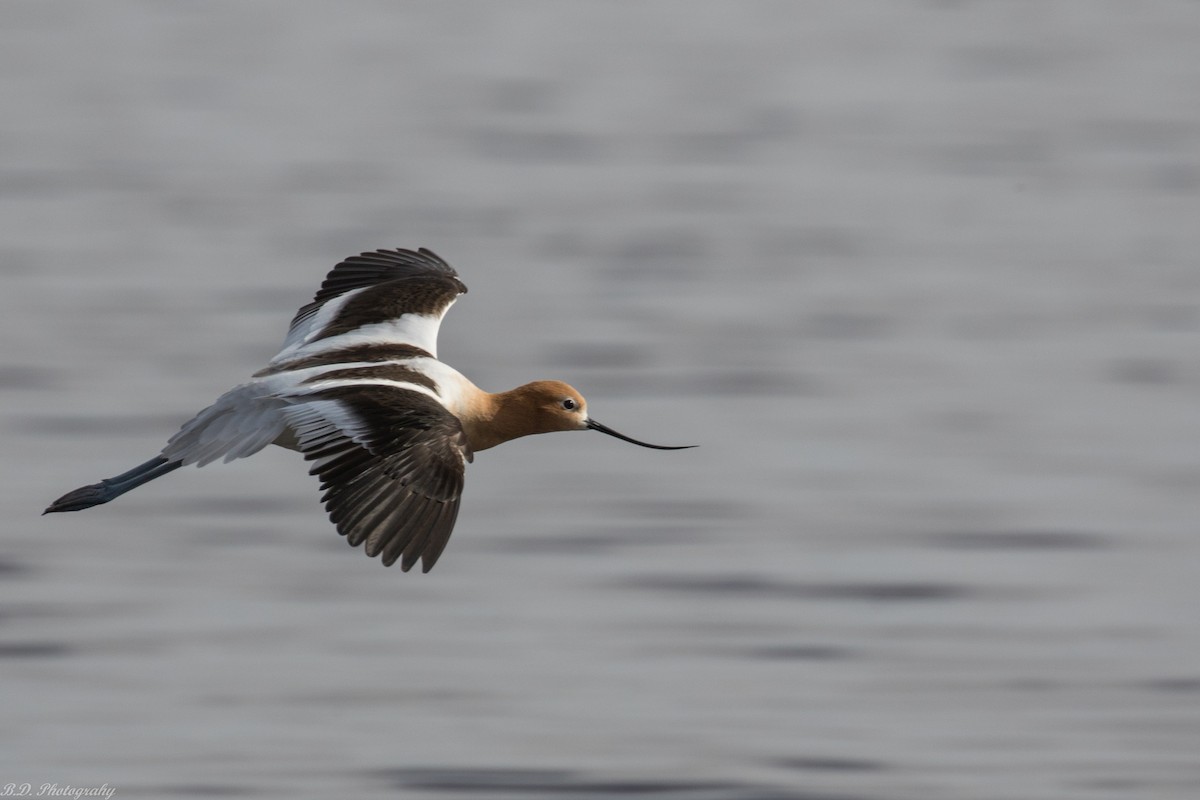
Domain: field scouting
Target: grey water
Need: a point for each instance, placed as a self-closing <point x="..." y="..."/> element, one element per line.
<point x="920" y="278"/>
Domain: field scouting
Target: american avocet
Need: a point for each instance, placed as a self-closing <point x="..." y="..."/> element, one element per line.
<point x="358" y="389"/>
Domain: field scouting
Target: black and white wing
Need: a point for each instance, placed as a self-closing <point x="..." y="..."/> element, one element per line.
<point x="391" y="463"/>
<point x="381" y="297"/>
<point x="373" y="318"/>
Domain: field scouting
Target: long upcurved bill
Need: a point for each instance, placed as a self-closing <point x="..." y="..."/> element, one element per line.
<point x="596" y="426"/>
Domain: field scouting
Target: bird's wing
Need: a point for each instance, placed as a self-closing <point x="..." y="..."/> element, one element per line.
<point x="384" y="297"/>
<point x="391" y="463"/>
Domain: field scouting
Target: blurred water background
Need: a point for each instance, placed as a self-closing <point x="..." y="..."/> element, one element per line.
<point x="919" y="277"/>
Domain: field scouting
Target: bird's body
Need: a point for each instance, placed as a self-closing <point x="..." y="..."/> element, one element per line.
<point x="358" y="389"/>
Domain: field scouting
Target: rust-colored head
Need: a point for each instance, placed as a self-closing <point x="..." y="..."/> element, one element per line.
<point x="549" y="406"/>
<point x="543" y="407"/>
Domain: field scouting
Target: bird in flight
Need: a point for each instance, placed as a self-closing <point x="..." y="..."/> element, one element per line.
<point x="359" y="391"/>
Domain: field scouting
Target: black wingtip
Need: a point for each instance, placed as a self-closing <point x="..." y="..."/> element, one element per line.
<point x="81" y="498"/>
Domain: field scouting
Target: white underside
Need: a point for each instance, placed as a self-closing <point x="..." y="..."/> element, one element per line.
<point x="249" y="417"/>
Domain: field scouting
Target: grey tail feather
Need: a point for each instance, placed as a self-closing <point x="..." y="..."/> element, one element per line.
<point x="112" y="488"/>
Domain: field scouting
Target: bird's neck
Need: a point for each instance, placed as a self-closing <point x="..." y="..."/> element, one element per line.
<point x="492" y="419"/>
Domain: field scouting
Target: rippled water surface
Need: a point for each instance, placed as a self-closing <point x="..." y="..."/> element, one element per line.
<point x="920" y="278"/>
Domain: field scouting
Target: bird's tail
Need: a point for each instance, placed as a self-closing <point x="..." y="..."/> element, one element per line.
<point x="112" y="488"/>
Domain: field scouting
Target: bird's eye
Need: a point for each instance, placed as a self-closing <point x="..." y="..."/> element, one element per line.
<point x="569" y="403"/>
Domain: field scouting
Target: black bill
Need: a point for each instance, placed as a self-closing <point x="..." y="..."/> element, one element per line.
<point x="596" y="426"/>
